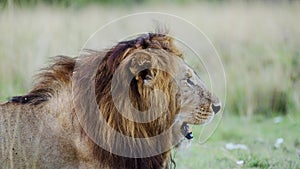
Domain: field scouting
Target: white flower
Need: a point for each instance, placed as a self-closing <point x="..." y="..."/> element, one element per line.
<point x="277" y="119"/>
<point x="240" y="162"/>
<point x="278" y="142"/>
<point x="231" y="146"/>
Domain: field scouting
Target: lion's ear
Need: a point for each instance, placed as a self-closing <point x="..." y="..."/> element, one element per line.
<point x="141" y="67"/>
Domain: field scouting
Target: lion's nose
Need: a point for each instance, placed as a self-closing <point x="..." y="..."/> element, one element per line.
<point x="216" y="108"/>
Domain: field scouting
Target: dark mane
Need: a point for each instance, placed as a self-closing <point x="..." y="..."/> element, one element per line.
<point x="150" y="40"/>
<point x="110" y="61"/>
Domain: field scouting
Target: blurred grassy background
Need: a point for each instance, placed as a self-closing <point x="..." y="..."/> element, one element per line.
<point x="258" y="42"/>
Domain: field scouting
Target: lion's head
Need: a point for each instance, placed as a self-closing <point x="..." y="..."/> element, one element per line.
<point x="133" y="102"/>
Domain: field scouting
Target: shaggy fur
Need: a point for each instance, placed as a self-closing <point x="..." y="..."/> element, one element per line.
<point x="72" y="109"/>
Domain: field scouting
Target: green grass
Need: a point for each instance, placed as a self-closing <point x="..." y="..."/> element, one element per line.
<point x="258" y="134"/>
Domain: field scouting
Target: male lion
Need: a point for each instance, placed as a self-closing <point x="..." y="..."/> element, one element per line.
<point x="124" y="108"/>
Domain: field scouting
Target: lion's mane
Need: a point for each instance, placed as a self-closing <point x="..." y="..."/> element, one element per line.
<point x="76" y="75"/>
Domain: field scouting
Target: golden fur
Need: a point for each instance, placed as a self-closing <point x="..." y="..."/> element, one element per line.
<point x="74" y="114"/>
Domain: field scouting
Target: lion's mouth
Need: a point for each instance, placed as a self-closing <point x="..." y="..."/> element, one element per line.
<point x="186" y="131"/>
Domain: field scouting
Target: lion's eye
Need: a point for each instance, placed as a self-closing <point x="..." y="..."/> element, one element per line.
<point x="190" y="82"/>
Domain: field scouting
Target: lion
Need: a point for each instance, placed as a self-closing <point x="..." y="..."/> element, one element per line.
<point x="125" y="107"/>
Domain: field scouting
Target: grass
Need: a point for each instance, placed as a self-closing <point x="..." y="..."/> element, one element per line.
<point x="259" y="47"/>
<point x="258" y="134"/>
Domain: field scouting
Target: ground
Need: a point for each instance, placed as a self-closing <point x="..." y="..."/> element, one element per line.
<point x="259" y="135"/>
